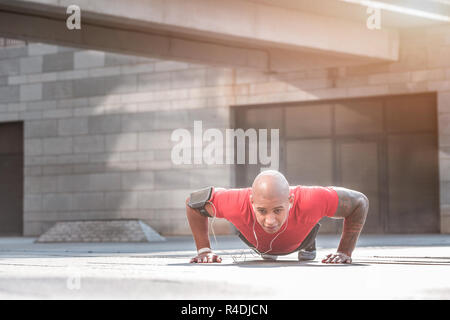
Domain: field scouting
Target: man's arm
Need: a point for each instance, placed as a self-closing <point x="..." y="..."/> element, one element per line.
<point x="199" y="225"/>
<point x="200" y="232"/>
<point x="353" y="208"/>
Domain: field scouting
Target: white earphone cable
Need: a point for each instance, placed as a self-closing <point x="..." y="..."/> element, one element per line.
<point x="255" y="249"/>
<point x="271" y="242"/>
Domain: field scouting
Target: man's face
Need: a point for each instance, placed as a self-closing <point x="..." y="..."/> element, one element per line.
<point x="271" y="213"/>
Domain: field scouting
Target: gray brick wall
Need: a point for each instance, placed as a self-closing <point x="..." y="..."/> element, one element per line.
<point x="97" y="134"/>
<point x="97" y="125"/>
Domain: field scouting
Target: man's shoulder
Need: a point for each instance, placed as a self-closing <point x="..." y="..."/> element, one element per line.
<point x="231" y="202"/>
<point x="231" y="192"/>
<point x="312" y="195"/>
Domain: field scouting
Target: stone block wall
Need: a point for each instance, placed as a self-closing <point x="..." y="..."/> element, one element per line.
<point x="98" y="125"/>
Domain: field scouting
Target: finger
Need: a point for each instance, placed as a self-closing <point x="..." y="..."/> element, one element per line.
<point x="331" y="258"/>
<point x="336" y="259"/>
<point x="345" y="259"/>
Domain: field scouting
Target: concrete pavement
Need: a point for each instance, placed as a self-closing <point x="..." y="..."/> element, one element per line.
<point x="385" y="267"/>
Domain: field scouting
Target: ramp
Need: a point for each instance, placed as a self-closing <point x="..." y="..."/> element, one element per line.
<point x="100" y="231"/>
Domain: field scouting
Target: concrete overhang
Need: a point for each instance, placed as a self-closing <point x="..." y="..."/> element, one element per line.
<point x="264" y="34"/>
<point x="399" y="14"/>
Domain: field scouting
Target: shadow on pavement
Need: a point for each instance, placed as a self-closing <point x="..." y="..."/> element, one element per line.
<point x="270" y="264"/>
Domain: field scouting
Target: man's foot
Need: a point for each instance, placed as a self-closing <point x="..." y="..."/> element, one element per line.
<point x="269" y="257"/>
<point x="307" y="253"/>
<point x="304" y="255"/>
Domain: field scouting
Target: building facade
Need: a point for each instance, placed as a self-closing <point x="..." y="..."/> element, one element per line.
<point x="86" y="135"/>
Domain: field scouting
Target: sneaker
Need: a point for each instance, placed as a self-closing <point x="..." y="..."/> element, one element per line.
<point x="308" y="253"/>
<point x="269" y="257"/>
<point x="304" y="255"/>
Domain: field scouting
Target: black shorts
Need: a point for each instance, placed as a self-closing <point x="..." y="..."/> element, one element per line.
<point x="307" y="243"/>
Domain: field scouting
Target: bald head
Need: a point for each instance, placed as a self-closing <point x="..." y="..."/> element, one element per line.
<point x="271" y="200"/>
<point x="270" y="184"/>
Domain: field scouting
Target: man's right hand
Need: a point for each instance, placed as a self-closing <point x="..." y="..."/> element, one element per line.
<point x="207" y="257"/>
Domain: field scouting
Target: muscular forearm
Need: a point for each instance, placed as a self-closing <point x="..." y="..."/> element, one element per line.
<point x="199" y="228"/>
<point x="353" y="224"/>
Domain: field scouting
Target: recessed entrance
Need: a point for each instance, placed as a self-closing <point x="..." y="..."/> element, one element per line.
<point x="384" y="147"/>
<point x="11" y="179"/>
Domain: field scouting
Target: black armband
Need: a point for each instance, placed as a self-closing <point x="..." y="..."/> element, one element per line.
<point x="198" y="200"/>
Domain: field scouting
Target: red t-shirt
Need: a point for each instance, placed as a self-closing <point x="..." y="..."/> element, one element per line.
<point x="311" y="203"/>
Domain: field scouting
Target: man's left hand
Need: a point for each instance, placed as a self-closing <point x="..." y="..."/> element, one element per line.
<point x="337" y="257"/>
